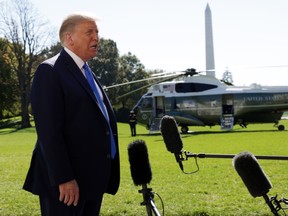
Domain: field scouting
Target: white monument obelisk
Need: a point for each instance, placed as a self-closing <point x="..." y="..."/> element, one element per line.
<point x="210" y="64"/>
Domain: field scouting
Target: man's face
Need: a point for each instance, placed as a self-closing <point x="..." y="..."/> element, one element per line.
<point x="83" y="41"/>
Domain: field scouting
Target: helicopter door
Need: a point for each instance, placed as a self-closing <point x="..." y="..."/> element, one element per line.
<point x="159" y="107"/>
<point x="227" y="117"/>
<point x="158" y="113"/>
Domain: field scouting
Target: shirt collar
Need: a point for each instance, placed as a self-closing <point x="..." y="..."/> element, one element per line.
<point x="76" y="58"/>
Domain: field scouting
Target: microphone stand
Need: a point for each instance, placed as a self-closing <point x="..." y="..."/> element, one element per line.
<point x="270" y="202"/>
<point x="148" y="200"/>
<point x="271" y="206"/>
<point x="277" y="203"/>
<point x="203" y="155"/>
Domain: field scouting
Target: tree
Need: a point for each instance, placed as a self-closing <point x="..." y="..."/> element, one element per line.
<point x="27" y="33"/>
<point x="7" y="80"/>
<point x="131" y="69"/>
<point x="51" y="51"/>
<point x="105" y="65"/>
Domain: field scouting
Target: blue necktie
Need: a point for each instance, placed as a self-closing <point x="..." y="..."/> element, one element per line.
<point x="92" y="84"/>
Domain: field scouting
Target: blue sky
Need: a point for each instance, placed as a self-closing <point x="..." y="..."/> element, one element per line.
<point x="249" y="35"/>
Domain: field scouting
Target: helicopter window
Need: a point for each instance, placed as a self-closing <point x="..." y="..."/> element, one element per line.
<point x="184" y="104"/>
<point x="193" y="87"/>
<point x="146" y="103"/>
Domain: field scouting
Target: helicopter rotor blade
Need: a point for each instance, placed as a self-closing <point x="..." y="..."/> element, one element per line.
<point x="132" y="92"/>
<point x="146" y="79"/>
<point x="168" y="73"/>
<point x="187" y="72"/>
<point x="167" y="78"/>
<point x="204" y="71"/>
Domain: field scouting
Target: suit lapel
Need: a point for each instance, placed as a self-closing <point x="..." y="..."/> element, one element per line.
<point x="77" y="73"/>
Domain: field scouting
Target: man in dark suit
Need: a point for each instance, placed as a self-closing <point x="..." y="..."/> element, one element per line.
<point x="72" y="164"/>
<point x="132" y="122"/>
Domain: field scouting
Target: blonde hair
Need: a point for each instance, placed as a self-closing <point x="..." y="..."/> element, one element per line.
<point x="69" y="23"/>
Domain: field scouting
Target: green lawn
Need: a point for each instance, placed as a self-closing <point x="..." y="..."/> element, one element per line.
<point x="215" y="190"/>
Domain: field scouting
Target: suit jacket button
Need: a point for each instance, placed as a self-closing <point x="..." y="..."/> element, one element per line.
<point x="108" y="156"/>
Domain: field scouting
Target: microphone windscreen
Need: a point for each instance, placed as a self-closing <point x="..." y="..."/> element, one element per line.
<point x="139" y="162"/>
<point x="251" y="173"/>
<point x="170" y="133"/>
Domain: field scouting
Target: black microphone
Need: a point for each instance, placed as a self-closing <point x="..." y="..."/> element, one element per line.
<point x="251" y="173"/>
<point x="171" y="137"/>
<point x="141" y="173"/>
<point x="253" y="177"/>
<point x="139" y="163"/>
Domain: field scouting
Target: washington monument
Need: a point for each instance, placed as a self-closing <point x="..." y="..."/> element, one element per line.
<point x="210" y="64"/>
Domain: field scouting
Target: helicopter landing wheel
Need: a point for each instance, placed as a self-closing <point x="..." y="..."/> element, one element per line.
<point x="184" y="129"/>
<point x="281" y="127"/>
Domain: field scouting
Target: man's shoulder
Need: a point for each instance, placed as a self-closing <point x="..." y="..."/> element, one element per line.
<point x="51" y="61"/>
<point x="62" y="55"/>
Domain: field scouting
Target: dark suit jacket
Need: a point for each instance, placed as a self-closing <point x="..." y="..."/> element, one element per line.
<point x="73" y="135"/>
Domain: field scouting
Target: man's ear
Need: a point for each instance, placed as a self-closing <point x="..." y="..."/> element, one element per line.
<point x="69" y="39"/>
